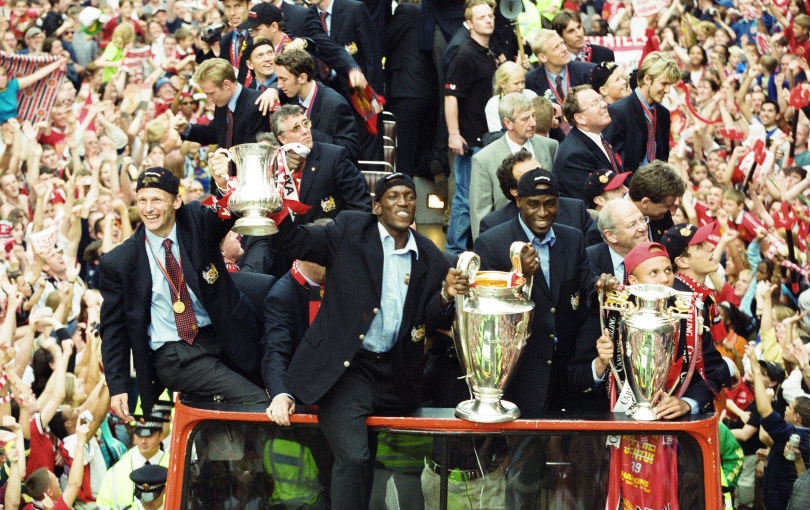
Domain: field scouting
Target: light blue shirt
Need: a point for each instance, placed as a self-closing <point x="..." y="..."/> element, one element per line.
<point x="234" y="98"/>
<point x="163" y="327"/>
<point x="542" y="247"/>
<point x="618" y="264"/>
<point x="553" y="78"/>
<point x="384" y="329"/>
<point x="638" y="94"/>
<point x="328" y="17"/>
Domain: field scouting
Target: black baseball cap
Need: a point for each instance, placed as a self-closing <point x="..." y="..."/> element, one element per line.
<point x="389" y="181"/>
<point x="681" y="236"/>
<point x="160" y="178"/>
<point x="527" y="187"/>
<point x="263" y="13"/>
<point x="254" y="43"/>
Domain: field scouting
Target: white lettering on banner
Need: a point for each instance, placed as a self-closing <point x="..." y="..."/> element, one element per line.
<point x="626" y="399"/>
<point x="627" y="50"/>
<point x="646" y="8"/>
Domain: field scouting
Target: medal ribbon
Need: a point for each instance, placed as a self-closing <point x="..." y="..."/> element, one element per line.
<point x="315" y="292"/>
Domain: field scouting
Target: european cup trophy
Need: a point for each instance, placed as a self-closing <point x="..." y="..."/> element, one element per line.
<point x="649" y="328"/>
<point x="256" y="195"/>
<point x="493" y="321"/>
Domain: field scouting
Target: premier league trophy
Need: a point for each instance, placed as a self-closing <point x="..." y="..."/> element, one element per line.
<point x="255" y="196"/>
<point x="493" y="321"/>
<point x="648" y="333"/>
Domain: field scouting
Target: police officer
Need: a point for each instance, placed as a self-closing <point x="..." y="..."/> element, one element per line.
<point x="150" y="487"/>
<point x="117" y="491"/>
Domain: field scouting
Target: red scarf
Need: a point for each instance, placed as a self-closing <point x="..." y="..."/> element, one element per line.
<point x="315" y="291"/>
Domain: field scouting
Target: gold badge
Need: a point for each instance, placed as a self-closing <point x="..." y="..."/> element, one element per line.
<point x="351" y="48"/>
<point x="603" y="179"/>
<point x="328" y="204"/>
<point x="575" y="301"/>
<point x="210" y="274"/>
<point x="686" y="231"/>
<point x="418" y="334"/>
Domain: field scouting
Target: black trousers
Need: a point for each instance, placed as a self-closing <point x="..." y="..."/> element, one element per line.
<point x="198" y="369"/>
<point x="367" y="387"/>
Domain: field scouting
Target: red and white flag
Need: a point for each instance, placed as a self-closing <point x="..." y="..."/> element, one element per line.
<point x="34" y="103"/>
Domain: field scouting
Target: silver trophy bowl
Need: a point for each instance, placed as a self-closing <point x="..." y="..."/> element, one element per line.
<point x="493" y="321"/>
<point x="255" y="196"/>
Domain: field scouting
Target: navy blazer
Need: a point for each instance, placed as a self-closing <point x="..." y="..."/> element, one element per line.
<point x="571" y="212"/>
<point x="286" y="319"/>
<point x="539" y="381"/>
<point x="628" y="136"/>
<point x="601" y="54"/>
<point x="351" y="250"/>
<point x="248" y="121"/>
<point x="352" y="28"/>
<point x="126" y="286"/>
<point x="577" y="157"/>
<point x="599" y="258"/>
<point x="302" y="22"/>
<point x="579" y="73"/>
<point x="332" y="116"/>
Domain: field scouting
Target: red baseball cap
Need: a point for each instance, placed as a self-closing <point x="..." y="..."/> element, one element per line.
<point x="641" y="253"/>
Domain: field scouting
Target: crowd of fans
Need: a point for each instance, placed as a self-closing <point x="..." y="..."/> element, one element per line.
<point x="717" y="114"/>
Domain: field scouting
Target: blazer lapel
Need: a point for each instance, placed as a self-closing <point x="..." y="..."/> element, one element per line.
<point x="418" y="271"/>
<point x="595" y="149"/>
<point x="556" y="255"/>
<point x="143" y="282"/>
<point x="189" y="265"/>
<point x="308" y="174"/>
<point x="337" y="19"/>
<point x="374" y="257"/>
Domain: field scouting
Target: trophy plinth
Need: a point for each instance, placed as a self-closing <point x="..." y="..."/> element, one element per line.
<point x="483" y="410"/>
<point x="255" y="224"/>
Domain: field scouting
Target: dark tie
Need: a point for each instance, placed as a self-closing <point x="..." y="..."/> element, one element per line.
<point x="185" y="319"/>
<point x="325" y="71"/>
<point x="262" y="88"/>
<point x="229" y="132"/>
<point x="147" y="463"/>
<point x="560" y="90"/>
<point x="610" y="154"/>
<point x="650" y="137"/>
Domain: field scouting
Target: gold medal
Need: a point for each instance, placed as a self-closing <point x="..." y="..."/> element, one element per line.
<point x="178" y="307"/>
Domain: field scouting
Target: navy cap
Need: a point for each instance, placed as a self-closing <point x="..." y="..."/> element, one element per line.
<point x="527" y="187"/>
<point x="389" y="181"/>
<point x="676" y="239"/>
<point x="160" y="178"/>
<point x="149" y="482"/>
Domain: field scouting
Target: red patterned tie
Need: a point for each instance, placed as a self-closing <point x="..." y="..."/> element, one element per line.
<point x="650" y="139"/>
<point x="186" y="320"/>
<point x="560" y="90"/>
<point x="229" y="133"/>
<point x="610" y="154"/>
<point x="325" y="71"/>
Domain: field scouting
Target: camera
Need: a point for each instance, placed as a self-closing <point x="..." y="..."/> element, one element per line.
<point x="212" y="33"/>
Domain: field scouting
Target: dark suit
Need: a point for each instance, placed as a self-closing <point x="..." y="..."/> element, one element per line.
<point x="579" y="74"/>
<point x="577" y="157"/>
<point x="286" y="319"/>
<point x="599" y="258"/>
<point x="539" y="381"/>
<point x="330" y="183"/>
<point x="126" y="286"/>
<point x="352" y="28"/>
<point x="571" y="213"/>
<point x="328" y="366"/>
<point x="601" y="54"/>
<point x="629" y="137"/>
<point x="332" y="116"/>
<point x="302" y="22"/>
<point x="248" y="121"/>
<point x="410" y="85"/>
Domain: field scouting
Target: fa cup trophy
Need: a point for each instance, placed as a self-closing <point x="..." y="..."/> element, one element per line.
<point x="493" y="321"/>
<point x="255" y="196"/>
<point x="649" y="328"/>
